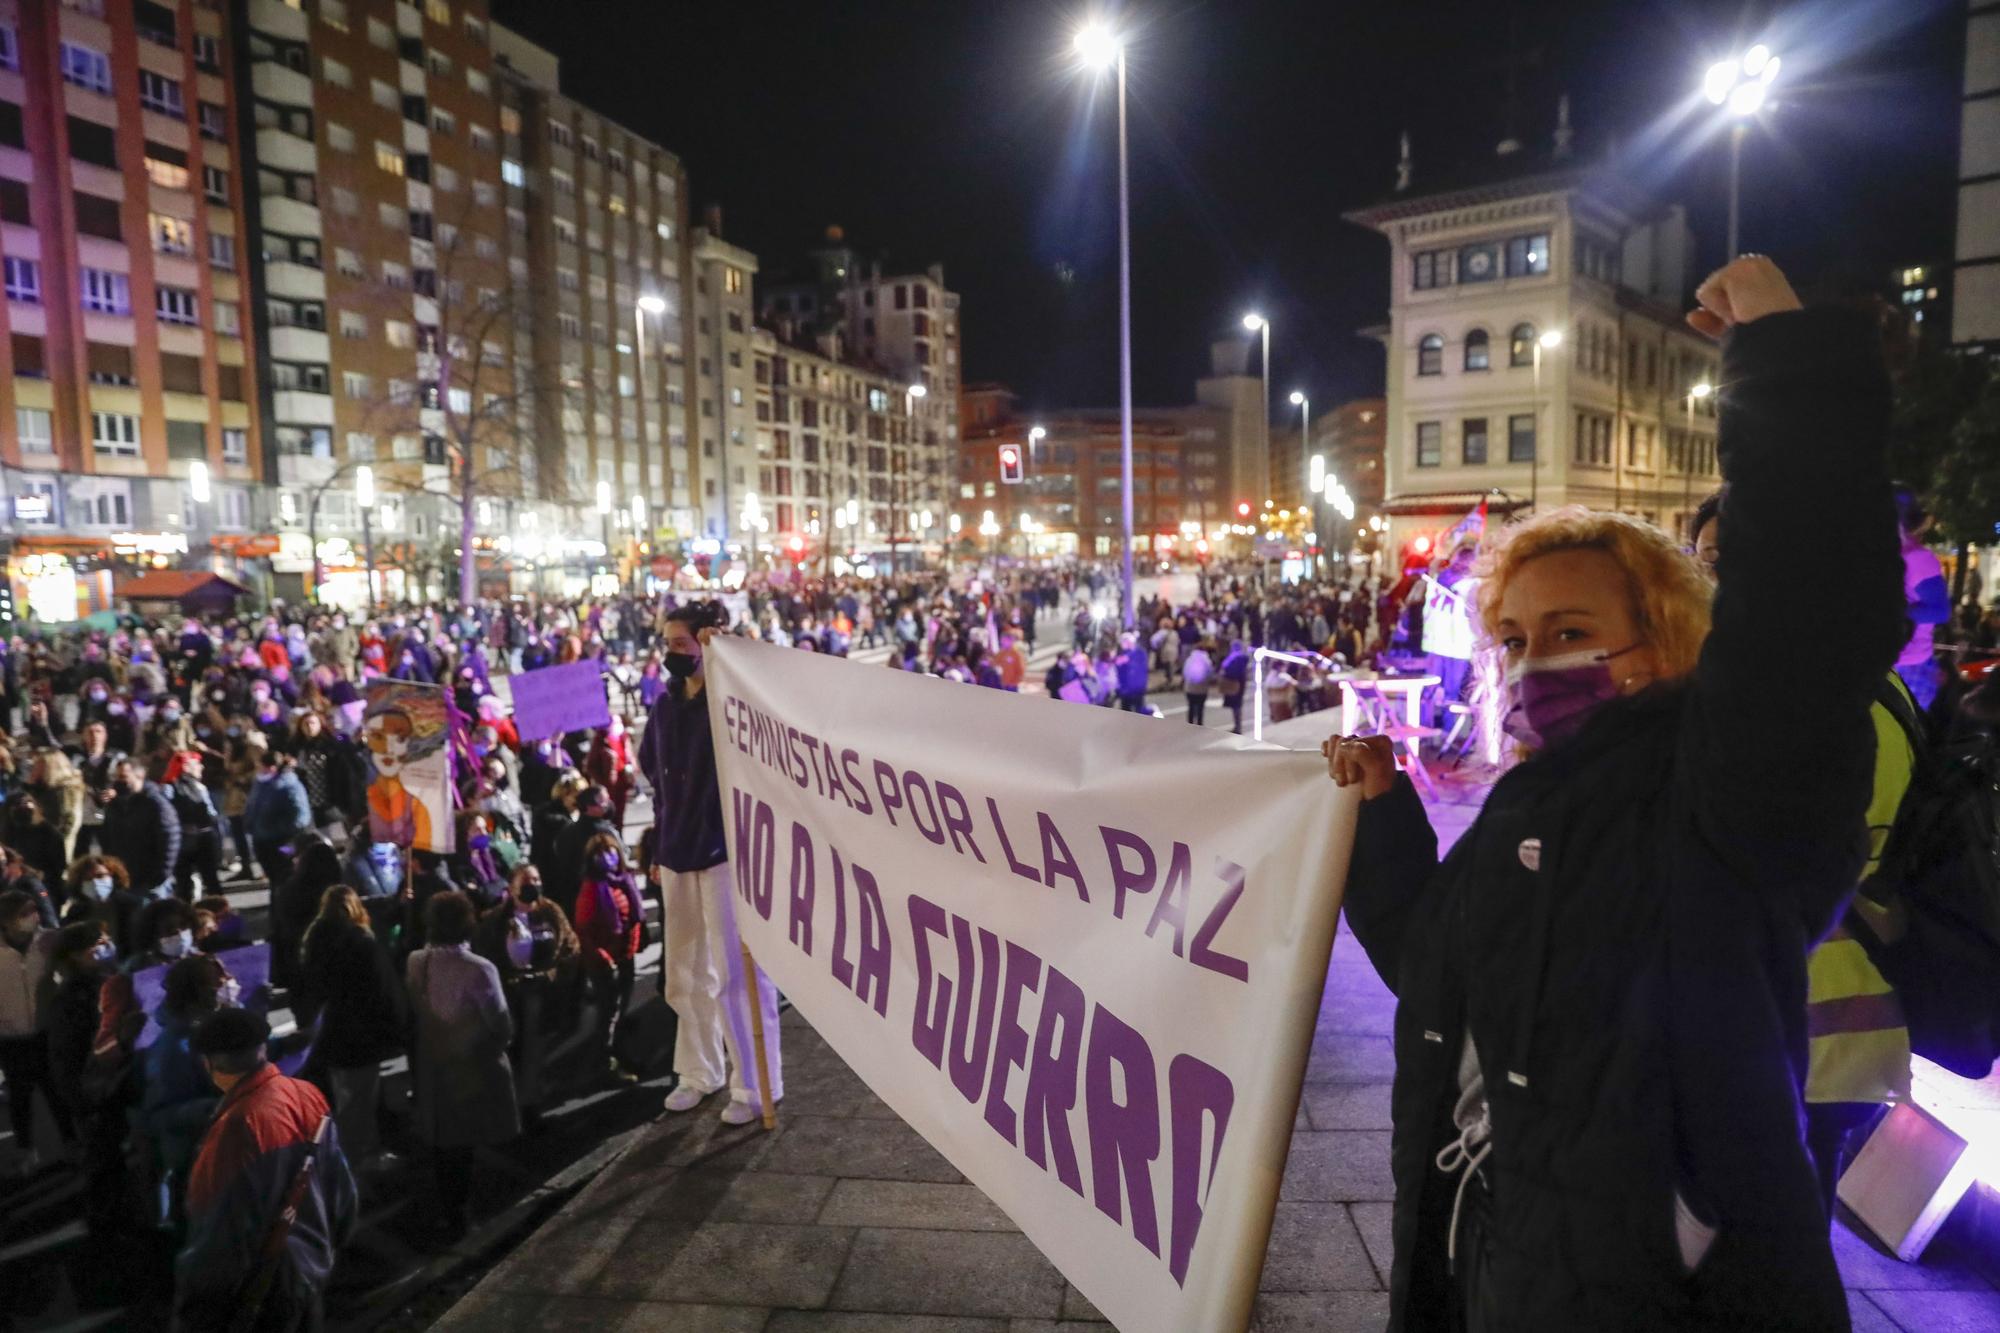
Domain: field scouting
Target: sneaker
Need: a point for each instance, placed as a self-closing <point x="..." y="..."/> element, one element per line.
<point x="740" y="1113"/>
<point x="684" y="1098"/>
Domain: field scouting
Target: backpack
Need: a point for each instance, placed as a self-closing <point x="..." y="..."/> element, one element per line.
<point x="1941" y="868"/>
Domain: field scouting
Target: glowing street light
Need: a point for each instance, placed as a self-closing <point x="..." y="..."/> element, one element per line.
<point x="1741" y="85"/>
<point x="364" y="496"/>
<point x="198" y="482"/>
<point x="1697" y="392"/>
<point x="652" y="304"/>
<point x="1547" y="342"/>
<point x="1100" y="49"/>
<point x="603" y="497"/>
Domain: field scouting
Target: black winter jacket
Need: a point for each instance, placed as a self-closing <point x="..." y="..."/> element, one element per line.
<point x="1624" y="929"/>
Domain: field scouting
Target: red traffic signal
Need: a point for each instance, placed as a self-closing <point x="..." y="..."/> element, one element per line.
<point x="795" y="544"/>
<point x="1010" y="463"/>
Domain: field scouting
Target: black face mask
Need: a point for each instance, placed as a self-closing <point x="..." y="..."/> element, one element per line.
<point x="529" y="894"/>
<point x="682" y="665"/>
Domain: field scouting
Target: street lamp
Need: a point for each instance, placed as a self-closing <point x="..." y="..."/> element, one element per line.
<point x="1314" y="464"/>
<point x="1741" y="85"/>
<point x="1696" y="392"/>
<point x="1100" y="49"/>
<point x="364" y="496"/>
<point x="1257" y="324"/>
<point x="1547" y="342"/>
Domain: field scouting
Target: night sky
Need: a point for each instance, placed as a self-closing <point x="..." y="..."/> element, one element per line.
<point x="959" y="131"/>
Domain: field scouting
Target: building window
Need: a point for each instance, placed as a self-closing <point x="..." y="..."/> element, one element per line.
<point x="1478" y="351"/>
<point x="171" y="235"/>
<point x="1521" y="345"/>
<point x="1521" y="438"/>
<point x="1528" y="256"/>
<point x="24" y="280"/>
<point x="215" y="184"/>
<point x="108" y="508"/>
<point x="159" y="93"/>
<point x="1474" y="449"/>
<point x="177" y="305"/>
<point x="389" y="158"/>
<point x="235" y="444"/>
<point x="510" y="172"/>
<point x="10" y="50"/>
<point x="335" y="73"/>
<point x="1478" y="263"/>
<point x="1430" y="355"/>
<point x="482" y="138"/>
<point x="105" y="292"/>
<point x="227" y="320"/>
<point x="115" y="433"/>
<point x="437" y="11"/>
<point x="86" y="68"/>
<point x="35" y="428"/>
<point x="221" y="250"/>
<point x="476" y="80"/>
<point x="1430" y="443"/>
<point x="214" y="122"/>
<point x="353" y="324"/>
<point x="1430" y="269"/>
<point x="164" y="171"/>
<point x="399" y="334"/>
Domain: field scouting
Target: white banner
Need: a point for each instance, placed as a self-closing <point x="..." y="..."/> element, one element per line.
<point x="1079" y="951"/>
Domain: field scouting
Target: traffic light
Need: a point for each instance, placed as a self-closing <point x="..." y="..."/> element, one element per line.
<point x="795" y="546"/>
<point x="1010" y="463"/>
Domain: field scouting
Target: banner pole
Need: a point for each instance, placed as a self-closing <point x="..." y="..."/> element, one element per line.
<point x="757" y="1035"/>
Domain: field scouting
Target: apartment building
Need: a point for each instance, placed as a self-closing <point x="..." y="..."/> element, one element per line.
<point x="129" y="377"/>
<point x="1536" y="350"/>
<point x="906" y="323"/>
<point x="850" y="459"/>
<point x="383" y="288"/>
<point x="597" y="233"/>
<point x="1070" y="499"/>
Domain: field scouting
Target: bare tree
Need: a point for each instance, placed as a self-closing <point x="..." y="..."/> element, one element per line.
<point x="472" y="402"/>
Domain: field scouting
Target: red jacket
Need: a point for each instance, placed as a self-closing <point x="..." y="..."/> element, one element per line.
<point x="609" y="918"/>
<point x="251" y="1157"/>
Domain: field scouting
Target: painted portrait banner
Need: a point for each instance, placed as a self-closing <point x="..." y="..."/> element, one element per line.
<point x="1081" y="952"/>
<point x="404" y="727"/>
<point x="559" y="699"/>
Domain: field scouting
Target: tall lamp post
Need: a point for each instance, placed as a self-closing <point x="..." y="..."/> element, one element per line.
<point x="1101" y="49"/>
<point x="1310" y="473"/>
<point x="1257" y="324"/>
<point x="1546" y="342"/>
<point x="913" y="395"/>
<point x="604" y="515"/>
<point x="1741" y="84"/>
<point x="364" y="496"/>
<point x="1695" y="393"/>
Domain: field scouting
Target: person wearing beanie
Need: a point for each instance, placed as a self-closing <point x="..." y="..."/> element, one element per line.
<point x="271" y="1198"/>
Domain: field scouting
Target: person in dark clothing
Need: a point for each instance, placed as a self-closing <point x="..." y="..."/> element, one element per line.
<point x="1601" y="992"/>
<point x="30" y="833"/>
<point x="16" y="873"/>
<point x="201" y="826"/>
<point x="85" y="958"/>
<point x="100" y="889"/>
<point x="278" y="813"/>
<point x="550" y="819"/>
<point x="701" y="972"/>
<point x="593" y="816"/>
<point x="295" y="901"/>
<point x="141" y="829"/>
<point x="347" y="984"/>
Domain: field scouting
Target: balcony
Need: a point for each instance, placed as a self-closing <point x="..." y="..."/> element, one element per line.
<point x="278" y="19"/>
<point x="303" y="345"/>
<point x="300" y="470"/>
<point x="290" y="217"/>
<point x="280" y="84"/>
<point x="285" y="151"/>
<point x="301" y="407"/>
<point x="295" y="282"/>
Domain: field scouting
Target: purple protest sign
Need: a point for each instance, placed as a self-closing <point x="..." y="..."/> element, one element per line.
<point x="560" y="699"/>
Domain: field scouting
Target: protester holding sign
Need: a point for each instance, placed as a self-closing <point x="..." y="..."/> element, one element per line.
<point x="1601" y="1032"/>
<point x="702" y="970"/>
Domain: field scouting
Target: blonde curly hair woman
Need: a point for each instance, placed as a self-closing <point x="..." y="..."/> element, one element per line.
<point x="1601" y="991"/>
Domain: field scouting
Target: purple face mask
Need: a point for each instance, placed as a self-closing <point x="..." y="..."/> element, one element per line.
<point x="1555" y="696"/>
